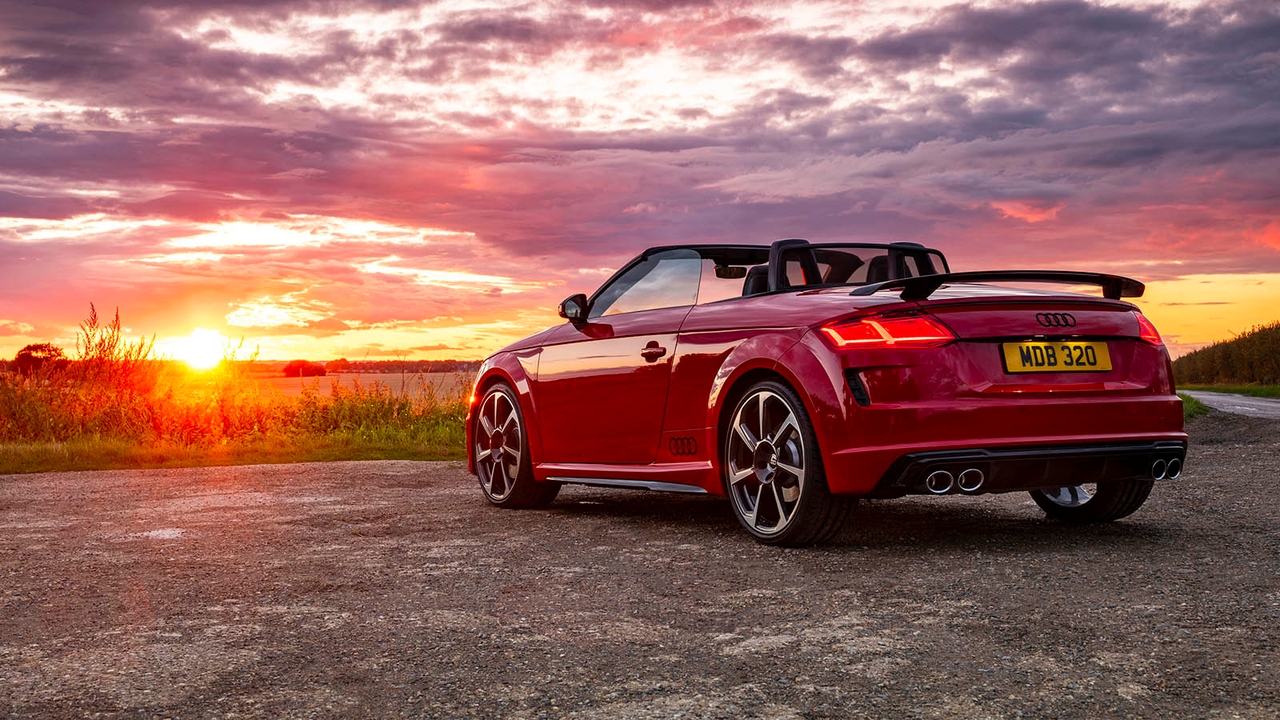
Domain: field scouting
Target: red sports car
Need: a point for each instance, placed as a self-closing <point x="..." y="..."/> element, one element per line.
<point x="798" y="377"/>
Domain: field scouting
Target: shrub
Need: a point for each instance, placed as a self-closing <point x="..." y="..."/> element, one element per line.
<point x="1253" y="357"/>
<point x="32" y="358"/>
<point x="303" y="368"/>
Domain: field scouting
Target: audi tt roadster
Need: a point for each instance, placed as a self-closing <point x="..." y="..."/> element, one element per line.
<point x="799" y="377"/>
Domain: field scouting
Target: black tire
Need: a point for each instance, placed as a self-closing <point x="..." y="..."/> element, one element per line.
<point x="766" y="463"/>
<point x="1110" y="501"/>
<point x="506" y="481"/>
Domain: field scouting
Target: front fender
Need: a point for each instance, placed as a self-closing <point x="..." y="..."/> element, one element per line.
<point x="517" y="368"/>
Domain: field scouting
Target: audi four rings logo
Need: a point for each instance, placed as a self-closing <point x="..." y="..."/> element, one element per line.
<point x="1056" y="319"/>
<point x="683" y="446"/>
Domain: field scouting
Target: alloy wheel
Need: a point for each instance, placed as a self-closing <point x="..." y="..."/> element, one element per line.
<point x="765" y="457"/>
<point x="498" y="443"/>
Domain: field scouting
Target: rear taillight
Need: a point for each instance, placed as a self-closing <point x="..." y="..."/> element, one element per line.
<point x="902" y="332"/>
<point x="1147" y="331"/>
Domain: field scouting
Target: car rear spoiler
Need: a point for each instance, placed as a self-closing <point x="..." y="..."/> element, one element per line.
<point x="1113" y="287"/>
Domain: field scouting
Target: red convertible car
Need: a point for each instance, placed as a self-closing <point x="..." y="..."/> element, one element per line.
<point x="798" y="377"/>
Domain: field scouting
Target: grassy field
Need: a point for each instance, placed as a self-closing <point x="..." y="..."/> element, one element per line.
<point x="400" y="383"/>
<point x="1262" y="391"/>
<point x="116" y="406"/>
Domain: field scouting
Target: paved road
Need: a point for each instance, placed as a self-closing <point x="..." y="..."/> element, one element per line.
<point x="391" y="589"/>
<point x="1268" y="408"/>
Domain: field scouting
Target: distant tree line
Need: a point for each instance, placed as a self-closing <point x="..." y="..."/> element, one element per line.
<point x="303" y="368"/>
<point x="343" y="365"/>
<point x="1253" y="357"/>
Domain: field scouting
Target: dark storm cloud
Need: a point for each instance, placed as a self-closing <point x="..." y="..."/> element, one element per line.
<point x="525" y="31"/>
<point x="652" y="5"/>
<point x="1079" y="56"/>
<point x="20" y="205"/>
<point x="816" y="57"/>
<point x="1068" y="30"/>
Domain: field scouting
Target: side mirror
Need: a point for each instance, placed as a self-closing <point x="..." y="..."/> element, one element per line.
<point x="574" y="309"/>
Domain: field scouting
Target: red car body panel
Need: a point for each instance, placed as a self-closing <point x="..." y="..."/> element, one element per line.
<point x="583" y="371"/>
<point x="598" y="409"/>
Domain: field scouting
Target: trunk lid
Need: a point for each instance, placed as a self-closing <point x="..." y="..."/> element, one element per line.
<point x="1002" y="344"/>
<point x="993" y="325"/>
<point x="1028" y="318"/>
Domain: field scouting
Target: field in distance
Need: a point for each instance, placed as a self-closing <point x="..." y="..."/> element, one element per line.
<point x="444" y="384"/>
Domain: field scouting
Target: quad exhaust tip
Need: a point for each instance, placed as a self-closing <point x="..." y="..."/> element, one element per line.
<point x="1158" y="469"/>
<point x="970" y="480"/>
<point x="939" y="482"/>
<point x="1173" y="469"/>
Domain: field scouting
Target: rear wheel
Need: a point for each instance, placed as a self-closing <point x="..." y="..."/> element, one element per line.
<point x="773" y="471"/>
<point x="502" y="453"/>
<point x="1100" y="502"/>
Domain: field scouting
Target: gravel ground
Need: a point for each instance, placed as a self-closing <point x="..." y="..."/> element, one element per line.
<point x="391" y="588"/>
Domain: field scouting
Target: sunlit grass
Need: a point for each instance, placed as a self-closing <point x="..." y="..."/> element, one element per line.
<point x="1191" y="407"/>
<point x="112" y="454"/>
<point x="116" y="406"/>
<point x="1262" y="391"/>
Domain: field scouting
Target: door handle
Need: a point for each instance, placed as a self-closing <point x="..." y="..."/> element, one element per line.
<point x="652" y="352"/>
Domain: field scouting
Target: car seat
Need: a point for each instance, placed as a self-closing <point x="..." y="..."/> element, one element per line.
<point x="757" y="281"/>
<point x="878" y="269"/>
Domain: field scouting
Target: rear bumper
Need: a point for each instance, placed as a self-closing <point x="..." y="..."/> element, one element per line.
<point x="872" y="443"/>
<point x="1009" y="469"/>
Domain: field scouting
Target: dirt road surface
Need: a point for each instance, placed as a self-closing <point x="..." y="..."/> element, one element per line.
<point x="1238" y="404"/>
<point x="389" y="589"/>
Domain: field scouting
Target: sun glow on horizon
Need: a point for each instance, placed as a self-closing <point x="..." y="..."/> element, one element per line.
<point x="201" y="350"/>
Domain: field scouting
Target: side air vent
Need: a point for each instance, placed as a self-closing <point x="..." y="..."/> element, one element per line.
<point x="683" y="446"/>
<point x="860" y="395"/>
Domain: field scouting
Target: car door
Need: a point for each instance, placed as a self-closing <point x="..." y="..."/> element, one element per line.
<point x="601" y="387"/>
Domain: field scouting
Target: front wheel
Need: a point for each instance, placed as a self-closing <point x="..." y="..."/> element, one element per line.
<point x="501" y="452"/>
<point x="773" y="471"/>
<point x="1101" y="502"/>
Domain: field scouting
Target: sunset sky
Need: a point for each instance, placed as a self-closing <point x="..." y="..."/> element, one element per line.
<point x="361" y="179"/>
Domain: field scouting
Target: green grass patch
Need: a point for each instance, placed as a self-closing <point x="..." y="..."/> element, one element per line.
<point x="1262" y="391"/>
<point x="1191" y="407"/>
<point x="115" y="454"/>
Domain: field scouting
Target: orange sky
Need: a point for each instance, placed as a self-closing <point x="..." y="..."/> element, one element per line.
<point x="371" y="179"/>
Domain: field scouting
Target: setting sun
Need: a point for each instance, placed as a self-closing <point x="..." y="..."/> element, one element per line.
<point x="202" y="349"/>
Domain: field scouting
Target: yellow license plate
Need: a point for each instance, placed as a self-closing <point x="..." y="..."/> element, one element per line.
<point x="1026" y="357"/>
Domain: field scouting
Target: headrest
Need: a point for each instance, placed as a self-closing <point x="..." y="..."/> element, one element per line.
<point x="757" y="281"/>
<point x="878" y="269"/>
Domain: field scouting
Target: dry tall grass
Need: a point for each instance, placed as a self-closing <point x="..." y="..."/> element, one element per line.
<point x="115" y="393"/>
